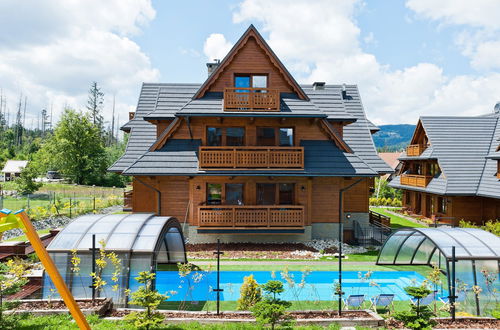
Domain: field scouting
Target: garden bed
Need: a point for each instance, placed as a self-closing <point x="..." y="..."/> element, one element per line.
<point x="100" y="306"/>
<point x="348" y="318"/>
<point x="309" y="250"/>
<point x="461" y="322"/>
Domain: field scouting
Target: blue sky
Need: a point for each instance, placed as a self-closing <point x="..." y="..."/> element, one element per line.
<point x="408" y="57"/>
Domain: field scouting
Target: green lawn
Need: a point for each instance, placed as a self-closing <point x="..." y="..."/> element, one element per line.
<point x="396" y="221"/>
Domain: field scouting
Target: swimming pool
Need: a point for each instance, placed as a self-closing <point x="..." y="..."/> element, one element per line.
<point x="318" y="285"/>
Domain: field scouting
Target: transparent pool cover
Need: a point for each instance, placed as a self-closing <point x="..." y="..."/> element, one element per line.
<point x="141" y="241"/>
<point x="477" y="257"/>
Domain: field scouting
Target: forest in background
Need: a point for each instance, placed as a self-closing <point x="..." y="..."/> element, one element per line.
<point x="78" y="146"/>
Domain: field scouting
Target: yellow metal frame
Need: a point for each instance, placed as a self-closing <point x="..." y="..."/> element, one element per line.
<point x="19" y="219"/>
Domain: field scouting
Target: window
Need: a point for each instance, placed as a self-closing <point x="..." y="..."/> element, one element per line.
<point x="225" y="136"/>
<point x="266" y="194"/>
<point x="214" y="194"/>
<point x="275" y="136"/>
<point x="286" y="193"/>
<point x="442" y="205"/>
<point x="250" y="81"/>
<point x="435" y="170"/>
<point x="275" y="194"/>
<point x="234" y="193"/>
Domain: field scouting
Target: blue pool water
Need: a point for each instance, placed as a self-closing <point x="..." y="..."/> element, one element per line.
<point x="318" y="285"/>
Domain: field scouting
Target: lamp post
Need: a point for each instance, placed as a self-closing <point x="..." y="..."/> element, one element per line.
<point x="341" y="236"/>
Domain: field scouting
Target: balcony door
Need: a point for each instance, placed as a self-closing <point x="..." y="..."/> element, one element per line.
<point x="275" y="136"/>
<point x="225" y="194"/>
<point x="275" y="193"/>
<point x="225" y="136"/>
<point x="258" y="82"/>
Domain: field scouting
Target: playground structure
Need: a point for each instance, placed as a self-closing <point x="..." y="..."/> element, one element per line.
<point x="19" y="219"/>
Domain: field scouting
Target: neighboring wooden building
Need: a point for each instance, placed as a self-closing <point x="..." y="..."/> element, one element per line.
<point x="451" y="169"/>
<point x="13" y="169"/>
<point x="250" y="151"/>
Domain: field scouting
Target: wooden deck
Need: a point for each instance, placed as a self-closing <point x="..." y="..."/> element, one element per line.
<point x="415" y="149"/>
<point x="251" y="99"/>
<point x="251" y="157"/>
<point x="263" y="216"/>
<point x="415" y="180"/>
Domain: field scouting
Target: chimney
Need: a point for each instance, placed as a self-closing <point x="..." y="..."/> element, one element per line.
<point x="496" y="109"/>
<point x="212" y="66"/>
<point x="344" y="92"/>
<point x="319" y="85"/>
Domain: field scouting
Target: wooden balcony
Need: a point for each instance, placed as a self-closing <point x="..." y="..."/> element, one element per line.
<point x="251" y="99"/>
<point x="415" y="180"/>
<point x="243" y="216"/>
<point x="415" y="149"/>
<point x="251" y="157"/>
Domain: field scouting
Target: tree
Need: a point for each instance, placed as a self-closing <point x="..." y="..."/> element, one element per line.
<point x="419" y="317"/>
<point x="148" y="298"/>
<point x="26" y="183"/>
<point x="94" y="105"/>
<point x="76" y="149"/>
<point x="272" y="310"/>
<point x="250" y="293"/>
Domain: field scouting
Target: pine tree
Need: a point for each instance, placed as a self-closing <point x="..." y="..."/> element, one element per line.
<point x="94" y="105"/>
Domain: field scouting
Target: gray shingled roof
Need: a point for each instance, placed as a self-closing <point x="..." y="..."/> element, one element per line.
<point x="461" y="146"/>
<point x="180" y="157"/>
<point x="169" y="100"/>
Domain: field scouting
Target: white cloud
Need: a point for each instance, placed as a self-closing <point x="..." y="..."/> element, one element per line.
<point x="51" y="51"/>
<point x="216" y="46"/>
<point x="479" y="38"/>
<point x="479" y="13"/>
<point x="320" y="41"/>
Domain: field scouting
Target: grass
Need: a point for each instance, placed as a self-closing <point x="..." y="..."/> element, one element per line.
<point x="23" y="238"/>
<point x="397" y="221"/>
<point x="60" y="322"/>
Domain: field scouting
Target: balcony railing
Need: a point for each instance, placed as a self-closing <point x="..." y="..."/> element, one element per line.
<point x="251" y="216"/>
<point x="415" y="149"/>
<point x="415" y="180"/>
<point x="251" y="157"/>
<point x="251" y="99"/>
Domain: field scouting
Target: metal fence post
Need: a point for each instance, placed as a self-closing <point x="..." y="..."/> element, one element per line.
<point x="218" y="290"/>
<point x="92" y="286"/>
<point x="70" y="207"/>
<point x="94" y="204"/>
<point x="453" y="279"/>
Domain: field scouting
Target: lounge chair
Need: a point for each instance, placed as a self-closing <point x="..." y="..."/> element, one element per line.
<point x="425" y="300"/>
<point x="460" y="297"/>
<point x="383" y="300"/>
<point x="354" y="300"/>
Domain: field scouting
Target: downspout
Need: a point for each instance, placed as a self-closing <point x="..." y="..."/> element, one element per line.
<point x="156" y="190"/>
<point x="341" y="192"/>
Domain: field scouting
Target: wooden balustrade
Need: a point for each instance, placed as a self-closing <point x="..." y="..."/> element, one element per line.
<point x="415" y="149"/>
<point x="251" y="216"/>
<point x="415" y="180"/>
<point x="251" y="99"/>
<point x="251" y="157"/>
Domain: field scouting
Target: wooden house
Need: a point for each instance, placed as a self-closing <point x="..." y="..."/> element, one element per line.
<point x="251" y="155"/>
<point x="451" y="169"/>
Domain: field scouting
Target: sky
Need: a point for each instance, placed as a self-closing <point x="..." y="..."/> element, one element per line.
<point x="408" y="57"/>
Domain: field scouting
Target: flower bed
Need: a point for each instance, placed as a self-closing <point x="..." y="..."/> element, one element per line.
<point x="306" y="250"/>
<point x="461" y="322"/>
<point x="101" y="306"/>
<point x="348" y="318"/>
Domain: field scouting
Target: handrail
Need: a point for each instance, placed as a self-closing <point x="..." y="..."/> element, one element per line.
<point x="415" y="180"/>
<point x="251" y="99"/>
<point x="415" y="149"/>
<point x="251" y="215"/>
<point x="251" y="157"/>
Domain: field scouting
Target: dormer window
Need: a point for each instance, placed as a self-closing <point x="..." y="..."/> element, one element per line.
<point x="250" y="81"/>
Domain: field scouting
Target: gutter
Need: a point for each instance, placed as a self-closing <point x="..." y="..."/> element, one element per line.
<point x="158" y="192"/>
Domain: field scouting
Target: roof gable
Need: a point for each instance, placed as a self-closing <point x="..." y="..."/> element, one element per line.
<point x="251" y="54"/>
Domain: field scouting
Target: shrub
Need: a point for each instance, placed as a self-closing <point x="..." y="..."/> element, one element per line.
<point x="12" y="279"/>
<point x="418" y="317"/>
<point x="250" y="293"/>
<point x="150" y="300"/>
<point x="272" y="310"/>
<point x="26" y="184"/>
<point x="493" y="226"/>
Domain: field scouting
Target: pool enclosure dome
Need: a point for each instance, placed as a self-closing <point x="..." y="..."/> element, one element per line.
<point x="141" y="241"/>
<point x="477" y="260"/>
